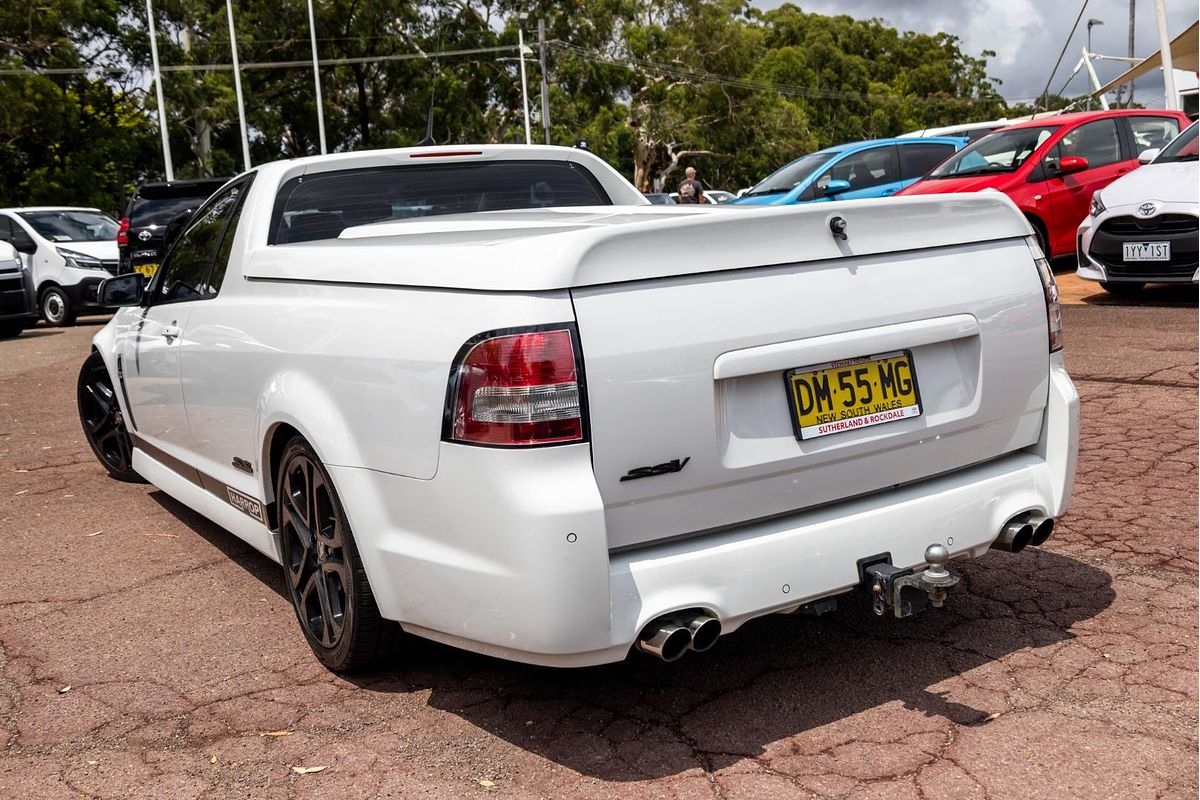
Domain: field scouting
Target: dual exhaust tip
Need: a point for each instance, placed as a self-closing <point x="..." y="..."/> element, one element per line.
<point x="1018" y="533"/>
<point x="670" y="637"/>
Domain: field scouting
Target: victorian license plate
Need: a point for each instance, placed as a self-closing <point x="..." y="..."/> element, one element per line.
<point x="1146" y="251"/>
<point x="855" y="393"/>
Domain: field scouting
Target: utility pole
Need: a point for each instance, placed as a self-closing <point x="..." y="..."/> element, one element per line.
<point x="1168" y="66"/>
<point x="545" y="83"/>
<point x="162" y="107"/>
<point x="524" y="83"/>
<point x="312" y="35"/>
<point x="237" y="88"/>
<point x="1132" y="7"/>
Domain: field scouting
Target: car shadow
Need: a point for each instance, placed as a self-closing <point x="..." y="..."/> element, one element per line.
<point x="1156" y="295"/>
<point x="775" y="678"/>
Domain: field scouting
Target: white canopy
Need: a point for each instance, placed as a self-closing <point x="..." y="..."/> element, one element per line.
<point x="1183" y="56"/>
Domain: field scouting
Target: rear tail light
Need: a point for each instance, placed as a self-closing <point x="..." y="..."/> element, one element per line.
<point x="123" y="231"/>
<point x="517" y="389"/>
<point x="1053" y="309"/>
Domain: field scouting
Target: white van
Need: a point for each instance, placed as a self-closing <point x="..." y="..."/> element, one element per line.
<point x="67" y="251"/>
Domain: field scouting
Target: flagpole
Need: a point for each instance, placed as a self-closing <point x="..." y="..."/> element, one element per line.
<point x="237" y="86"/>
<point x="162" y="107"/>
<point x="312" y="33"/>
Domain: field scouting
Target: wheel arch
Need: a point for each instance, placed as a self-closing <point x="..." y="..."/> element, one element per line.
<point x="1040" y="227"/>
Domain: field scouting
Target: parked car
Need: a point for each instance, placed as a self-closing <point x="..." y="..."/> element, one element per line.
<point x="16" y="297"/>
<point x="719" y="195"/>
<point x="1051" y="166"/>
<point x="526" y="433"/>
<point x="877" y="168"/>
<point x="660" y="199"/>
<point x="1143" y="227"/>
<point x="67" y="252"/>
<point x="154" y="216"/>
<point x="971" y="131"/>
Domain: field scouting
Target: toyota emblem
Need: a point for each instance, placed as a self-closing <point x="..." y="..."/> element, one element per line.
<point x="1147" y="209"/>
<point x="145" y="235"/>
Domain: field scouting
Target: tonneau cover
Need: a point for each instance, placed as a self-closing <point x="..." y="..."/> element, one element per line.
<point x="560" y="248"/>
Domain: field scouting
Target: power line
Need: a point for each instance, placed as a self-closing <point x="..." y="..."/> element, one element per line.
<point x="1066" y="44"/>
<point x="325" y="62"/>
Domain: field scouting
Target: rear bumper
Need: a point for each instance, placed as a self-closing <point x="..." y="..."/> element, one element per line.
<point x="505" y="553"/>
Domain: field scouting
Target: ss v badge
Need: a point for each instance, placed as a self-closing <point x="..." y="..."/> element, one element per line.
<point x="674" y="465"/>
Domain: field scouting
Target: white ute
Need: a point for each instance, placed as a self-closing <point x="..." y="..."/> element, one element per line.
<point x="490" y="394"/>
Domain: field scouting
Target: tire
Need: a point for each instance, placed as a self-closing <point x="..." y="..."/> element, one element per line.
<point x="1123" y="289"/>
<point x="102" y="421"/>
<point x="10" y="329"/>
<point x="1040" y="236"/>
<point x="56" y="308"/>
<point x="322" y="568"/>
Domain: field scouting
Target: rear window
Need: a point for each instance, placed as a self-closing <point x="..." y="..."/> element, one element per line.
<point x="321" y="206"/>
<point x="160" y="211"/>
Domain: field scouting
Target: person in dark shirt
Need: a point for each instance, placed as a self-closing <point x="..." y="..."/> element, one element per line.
<point x="690" y="190"/>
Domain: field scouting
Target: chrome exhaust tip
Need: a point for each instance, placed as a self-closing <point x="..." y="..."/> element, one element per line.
<point x="1042" y="528"/>
<point x="666" y="640"/>
<point x="705" y="631"/>
<point x="1014" y="537"/>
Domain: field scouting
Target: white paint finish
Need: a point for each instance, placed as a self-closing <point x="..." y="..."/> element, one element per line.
<point x="568" y="247"/>
<point x="47" y="266"/>
<point x="654" y="347"/>
<point x="150" y="358"/>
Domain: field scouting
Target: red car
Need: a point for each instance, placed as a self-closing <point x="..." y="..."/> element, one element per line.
<point x="1050" y="166"/>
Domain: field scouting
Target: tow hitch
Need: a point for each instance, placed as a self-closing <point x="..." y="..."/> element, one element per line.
<point x="906" y="591"/>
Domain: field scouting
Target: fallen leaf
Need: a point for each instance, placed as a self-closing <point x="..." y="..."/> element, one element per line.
<point x="163" y="535"/>
<point x="95" y="533"/>
<point x="992" y="716"/>
<point x="67" y="495"/>
<point x="486" y="782"/>
<point x="93" y="763"/>
<point x="18" y="494"/>
<point x="276" y="733"/>
<point x="308" y="770"/>
<point x="65" y="689"/>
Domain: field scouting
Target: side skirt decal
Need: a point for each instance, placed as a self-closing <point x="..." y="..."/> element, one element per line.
<point x="250" y="506"/>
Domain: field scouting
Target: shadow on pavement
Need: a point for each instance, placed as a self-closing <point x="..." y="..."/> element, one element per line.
<point x="776" y="677"/>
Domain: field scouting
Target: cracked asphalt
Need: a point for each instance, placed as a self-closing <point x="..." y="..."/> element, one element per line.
<point x="146" y="653"/>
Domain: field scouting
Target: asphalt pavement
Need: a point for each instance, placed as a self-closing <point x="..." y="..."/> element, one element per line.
<point x="144" y="652"/>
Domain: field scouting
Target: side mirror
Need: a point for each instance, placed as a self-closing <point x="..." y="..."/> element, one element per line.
<point x="1069" y="164"/>
<point x="1146" y="156"/>
<point x="123" y="290"/>
<point x="22" y="241"/>
<point x="836" y="186"/>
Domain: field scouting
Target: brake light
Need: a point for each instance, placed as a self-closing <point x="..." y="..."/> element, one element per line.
<point x="517" y="389"/>
<point x="1053" y="309"/>
<point x="123" y="231"/>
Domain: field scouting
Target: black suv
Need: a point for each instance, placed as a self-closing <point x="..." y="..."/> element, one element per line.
<point x="155" y="216"/>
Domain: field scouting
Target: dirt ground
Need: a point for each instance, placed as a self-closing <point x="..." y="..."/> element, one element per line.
<point x="144" y="652"/>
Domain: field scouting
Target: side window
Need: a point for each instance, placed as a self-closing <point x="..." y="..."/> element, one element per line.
<point x="917" y="159"/>
<point x="866" y="169"/>
<point x="1096" y="141"/>
<point x="5" y="229"/>
<point x="186" y="273"/>
<point x="222" y="259"/>
<point x="1151" y="132"/>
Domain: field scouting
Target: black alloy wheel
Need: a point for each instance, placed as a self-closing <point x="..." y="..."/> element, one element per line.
<point x="325" y="578"/>
<point x="102" y="420"/>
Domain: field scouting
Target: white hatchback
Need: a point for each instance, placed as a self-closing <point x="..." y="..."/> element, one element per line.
<point x="1142" y="227"/>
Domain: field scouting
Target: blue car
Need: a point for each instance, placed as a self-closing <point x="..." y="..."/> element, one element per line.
<point x="877" y="168"/>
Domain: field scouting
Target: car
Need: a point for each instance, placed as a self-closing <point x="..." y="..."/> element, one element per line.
<point x="876" y="168"/>
<point x="660" y="199"/>
<point x="1051" y="166"/>
<point x="970" y="130"/>
<point x="719" y="195"/>
<point x="67" y="252"/>
<point x="16" y="296"/>
<point x="461" y="393"/>
<point x="154" y="216"/>
<point x="1143" y="226"/>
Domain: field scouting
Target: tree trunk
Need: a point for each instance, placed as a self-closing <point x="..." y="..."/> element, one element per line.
<point x="364" y="116"/>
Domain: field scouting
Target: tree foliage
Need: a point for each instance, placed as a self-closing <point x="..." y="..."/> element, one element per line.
<point x="652" y="85"/>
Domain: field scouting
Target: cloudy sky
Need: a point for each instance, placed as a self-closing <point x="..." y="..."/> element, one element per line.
<point x="1027" y="35"/>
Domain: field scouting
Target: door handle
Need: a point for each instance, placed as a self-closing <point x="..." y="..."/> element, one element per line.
<point x="887" y="192"/>
<point x="170" y="333"/>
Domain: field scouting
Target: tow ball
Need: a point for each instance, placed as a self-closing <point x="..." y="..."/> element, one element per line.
<point x="906" y="592"/>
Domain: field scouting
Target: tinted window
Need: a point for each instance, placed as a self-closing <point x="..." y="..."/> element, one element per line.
<point x="868" y="168"/>
<point x="222" y="259"/>
<point x="1096" y="141"/>
<point x="147" y="211"/>
<point x="1182" y="149"/>
<point x="1151" y="132"/>
<point x="917" y="159"/>
<point x="321" y="206"/>
<point x="1003" y="151"/>
<point x="185" y="275"/>
<point x="72" y="226"/>
<point x="5" y="229"/>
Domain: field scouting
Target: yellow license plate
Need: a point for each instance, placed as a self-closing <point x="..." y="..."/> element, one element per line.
<point x="851" y="394"/>
<point x="146" y="269"/>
